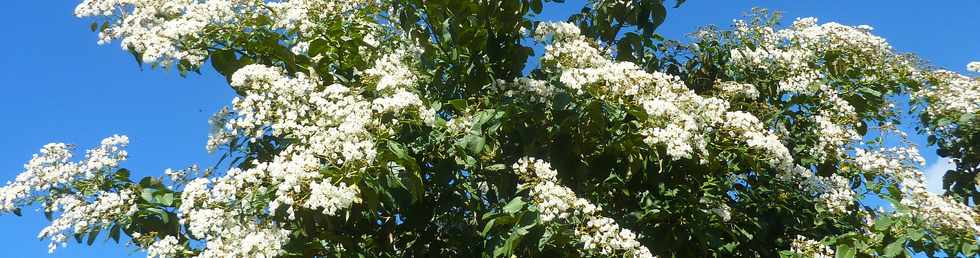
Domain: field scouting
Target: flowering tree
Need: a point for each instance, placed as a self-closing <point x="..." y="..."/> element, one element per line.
<point x="472" y="128"/>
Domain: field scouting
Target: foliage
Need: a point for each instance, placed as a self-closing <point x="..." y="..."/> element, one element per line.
<point x="472" y="128"/>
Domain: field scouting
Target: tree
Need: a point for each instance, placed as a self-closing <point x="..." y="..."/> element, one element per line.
<point x="472" y="128"/>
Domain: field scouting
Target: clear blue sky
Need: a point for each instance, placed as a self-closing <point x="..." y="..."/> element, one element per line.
<point x="59" y="85"/>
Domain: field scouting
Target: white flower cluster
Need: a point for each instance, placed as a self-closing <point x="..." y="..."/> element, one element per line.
<point x="460" y="124"/>
<point x="168" y="247"/>
<point x="836" y="194"/>
<point x="559" y="31"/>
<point x="306" y="16"/>
<point x="250" y="241"/>
<point x="833" y="193"/>
<point x="899" y="164"/>
<point x="835" y="122"/>
<point x="332" y="130"/>
<point x="598" y="234"/>
<point x="537" y="91"/>
<point x="78" y="215"/>
<point x="798" y="57"/>
<point x="793" y="54"/>
<point x="218" y="135"/>
<point x="605" y="236"/>
<point x="331" y="198"/>
<point x="50" y="168"/>
<point x="678" y="117"/>
<point x="973" y="67"/>
<point x="333" y="122"/>
<point x="389" y="71"/>
<point x="567" y="47"/>
<point x="333" y="127"/>
<point x="51" y="171"/>
<point x="558" y="202"/>
<point x="746" y="126"/>
<point x="224" y="219"/>
<point x="809" y="248"/>
<point x="952" y="95"/>
<point x="163" y="31"/>
<point x="731" y="90"/>
<point x="832" y="137"/>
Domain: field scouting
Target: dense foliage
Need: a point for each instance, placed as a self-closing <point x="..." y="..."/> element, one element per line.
<point x="475" y="129"/>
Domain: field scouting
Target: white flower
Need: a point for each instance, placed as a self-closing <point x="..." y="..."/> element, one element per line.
<point x="559" y="30"/>
<point x="79" y="215"/>
<point x="558" y="204"/>
<point x="392" y="71"/>
<point x="300" y="48"/>
<point x="810" y="248"/>
<point x="731" y="90"/>
<point x="973" y="67"/>
<point x="52" y="170"/>
<point x="901" y="165"/>
<point x="836" y="194"/>
<point x="168" y="247"/>
<point x="952" y="94"/>
<point x="331" y="198"/>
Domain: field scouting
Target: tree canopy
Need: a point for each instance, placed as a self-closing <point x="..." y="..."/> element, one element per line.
<point x="469" y="128"/>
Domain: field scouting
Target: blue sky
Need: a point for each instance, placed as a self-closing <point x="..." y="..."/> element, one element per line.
<point x="60" y="86"/>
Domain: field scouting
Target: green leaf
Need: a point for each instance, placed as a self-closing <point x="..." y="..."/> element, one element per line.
<point x="862" y="128"/>
<point x="225" y="62"/>
<point x="915" y="235"/>
<point x="458" y="104"/>
<point x="166" y="199"/>
<point x="400" y="152"/>
<point x="410" y="180"/>
<point x="137" y="56"/>
<point x="659" y="15"/>
<point x="114" y="232"/>
<point x="413" y="183"/>
<point x="147" y="195"/>
<point x="507" y="249"/>
<point x="473" y="143"/>
<point x="883" y="223"/>
<point x="514" y="205"/>
<point x="149" y="182"/>
<point x="165" y="216"/>
<point x="496" y="167"/>
<point x="318" y="46"/>
<point x="787" y="254"/>
<point x="446" y="33"/>
<point x="545" y="239"/>
<point x="969" y="248"/>
<point x="369" y="195"/>
<point x="122" y="174"/>
<point x="92" y="235"/>
<point x="729" y="246"/>
<point x="870" y="91"/>
<point x="470" y="161"/>
<point x="536" y="6"/>
<point x="895" y="248"/>
<point x="487" y="228"/>
<point x="966" y="119"/>
<point x="845" y="251"/>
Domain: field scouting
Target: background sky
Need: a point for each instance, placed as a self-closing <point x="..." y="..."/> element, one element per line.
<point x="60" y="86"/>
